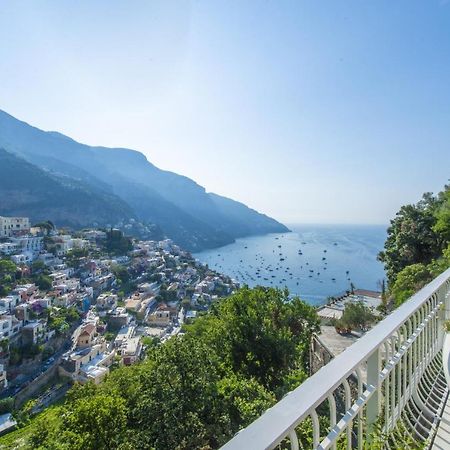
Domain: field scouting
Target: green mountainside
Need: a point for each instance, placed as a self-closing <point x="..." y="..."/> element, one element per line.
<point x="26" y="190"/>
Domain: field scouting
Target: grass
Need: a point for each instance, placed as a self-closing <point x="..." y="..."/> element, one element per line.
<point x="17" y="439"/>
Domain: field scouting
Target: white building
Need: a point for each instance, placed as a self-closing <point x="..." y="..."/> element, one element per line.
<point x="130" y="350"/>
<point x="32" y="244"/>
<point x="10" y="225"/>
<point x="125" y="333"/>
<point x="22" y="258"/>
<point x="8" y="248"/>
<point x="9" y="302"/>
<point x="49" y="259"/>
<point x="9" y="326"/>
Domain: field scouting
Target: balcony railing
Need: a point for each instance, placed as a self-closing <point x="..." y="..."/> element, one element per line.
<point x="391" y="377"/>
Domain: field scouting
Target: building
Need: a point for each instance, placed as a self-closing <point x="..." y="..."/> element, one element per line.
<point x="106" y="301"/>
<point x="8" y="303"/>
<point x="22" y="258"/>
<point x="86" y="335"/>
<point x="33" y="332"/>
<point x="124" y="333"/>
<point x="161" y="317"/>
<point x="7" y="423"/>
<point x="127" y="345"/>
<point x="91" y="358"/>
<point x="25" y="291"/>
<point x="9" y="326"/>
<point x="87" y="364"/>
<point x="49" y="259"/>
<point x="8" y="248"/>
<point x="10" y="226"/>
<point x="130" y="350"/>
<point x="29" y="244"/>
<point x="23" y="312"/>
<point x="119" y="318"/>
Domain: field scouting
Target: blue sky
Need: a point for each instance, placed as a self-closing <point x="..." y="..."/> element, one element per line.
<point x="310" y="111"/>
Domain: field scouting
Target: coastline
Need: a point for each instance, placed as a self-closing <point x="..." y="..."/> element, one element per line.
<point x="305" y="260"/>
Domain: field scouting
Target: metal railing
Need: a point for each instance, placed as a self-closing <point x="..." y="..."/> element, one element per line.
<point x="391" y="375"/>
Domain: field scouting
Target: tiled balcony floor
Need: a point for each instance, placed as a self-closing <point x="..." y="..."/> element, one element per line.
<point x="442" y="439"/>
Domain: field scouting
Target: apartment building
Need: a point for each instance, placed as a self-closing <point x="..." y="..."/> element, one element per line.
<point x="9" y="226"/>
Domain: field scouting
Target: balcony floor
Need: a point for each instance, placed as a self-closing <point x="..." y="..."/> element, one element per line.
<point x="442" y="438"/>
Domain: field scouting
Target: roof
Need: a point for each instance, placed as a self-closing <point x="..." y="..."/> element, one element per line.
<point x="367" y="293"/>
<point x="6" y="422"/>
<point x="89" y="328"/>
<point x="329" y="313"/>
<point x="130" y="346"/>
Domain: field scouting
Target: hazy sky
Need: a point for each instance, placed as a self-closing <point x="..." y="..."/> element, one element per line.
<point x="310" y="111"/>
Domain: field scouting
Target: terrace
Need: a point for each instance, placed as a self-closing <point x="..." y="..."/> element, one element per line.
<point x="389" y="380"/>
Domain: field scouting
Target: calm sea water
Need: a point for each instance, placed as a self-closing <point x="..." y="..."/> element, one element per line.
<point x="313" y="261"/>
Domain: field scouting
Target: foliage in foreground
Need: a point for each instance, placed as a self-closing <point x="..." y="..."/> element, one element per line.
<point x="418" y="245"/>
<point x="194" y="391"/>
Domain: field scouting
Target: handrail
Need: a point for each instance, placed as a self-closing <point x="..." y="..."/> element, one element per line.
<point x="277" y="422"/>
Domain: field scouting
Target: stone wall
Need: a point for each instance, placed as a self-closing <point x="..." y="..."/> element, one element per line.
<point x="35" y="386"/>
<point x="319" y="355"/>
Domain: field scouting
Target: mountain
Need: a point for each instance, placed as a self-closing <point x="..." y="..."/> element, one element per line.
<point x="182" y="208"/>
<point x="26" y="190"/>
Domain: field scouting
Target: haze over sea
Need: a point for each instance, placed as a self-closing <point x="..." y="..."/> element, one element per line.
<point x="313" y="261"/>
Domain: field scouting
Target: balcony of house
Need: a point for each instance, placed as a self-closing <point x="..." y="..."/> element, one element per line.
<point x="387" y="390"/>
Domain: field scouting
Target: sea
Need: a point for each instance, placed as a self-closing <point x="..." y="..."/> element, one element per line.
<point x="312" y="261"/>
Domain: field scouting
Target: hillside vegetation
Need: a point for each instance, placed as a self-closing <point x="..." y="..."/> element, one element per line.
<point x="418" y="245"/>
<point x="194" y="391"/>
<point x="27" y="190"/>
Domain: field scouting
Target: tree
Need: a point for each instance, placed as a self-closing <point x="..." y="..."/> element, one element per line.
<point x="4" y="345"/>
<point x="117" y="243"/>
<point x="196" y="390"/>
<point x="412" y="237"/>
<point x="440" y="265"/>
<point x="150" y="341"/>
<point x="261" y="333"/>
<point x="75" y="257"/>
<point x="408" y="281"/>
<point x="121" y="273"/>
<point x="38" y="266"/>
<point x="43" y="282"/>
<point x="442" y="226"/>
<point x="356" y="316"/>
<point x="7" y="275"/>
<point x="245" y="400"/>
<point x="97" y="422"/>
<point x="61" y="319"/>
<point x="6" y="405"/>
<point x="172" y="398"/>
<point x="110" y="336"/>
<point x="47" y="226"/>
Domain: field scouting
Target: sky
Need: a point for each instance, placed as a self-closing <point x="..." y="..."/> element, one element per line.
<point x="309" y="111"/>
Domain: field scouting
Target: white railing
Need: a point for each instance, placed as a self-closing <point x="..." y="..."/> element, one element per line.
<point x="391" y="375"/>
